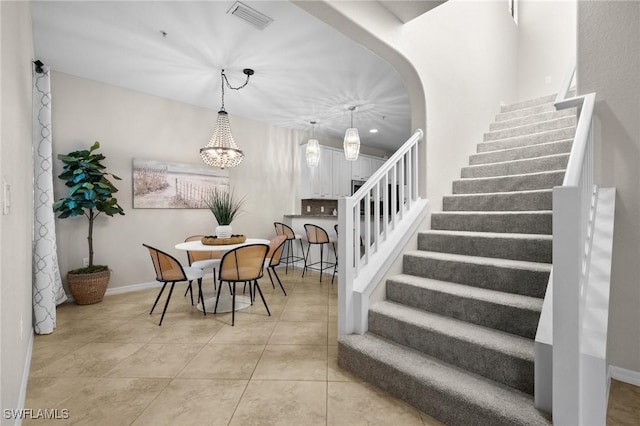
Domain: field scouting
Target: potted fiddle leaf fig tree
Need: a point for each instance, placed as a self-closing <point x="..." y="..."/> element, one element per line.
<point x="90" y="195"/>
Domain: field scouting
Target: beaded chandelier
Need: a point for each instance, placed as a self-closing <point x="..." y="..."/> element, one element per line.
<point x="222" y="150"/>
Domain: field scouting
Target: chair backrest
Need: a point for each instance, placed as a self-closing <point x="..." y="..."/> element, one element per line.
<point x="276" y="245"/>
<point x="194" y="256"/>
<point x="167" y="267"/>
<point x="283" y="229"/>
<point x="243" y="263"/>
<point x="315" y="234"/>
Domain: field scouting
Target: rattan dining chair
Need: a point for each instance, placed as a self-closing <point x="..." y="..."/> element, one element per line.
<point x="242" y="264"/>
<point x="276" y="247"/>
<point x="203" y="260"/>
<point x="170" y="270"/>
<point x="316" y="235"/>
<point x="290" y="257"/>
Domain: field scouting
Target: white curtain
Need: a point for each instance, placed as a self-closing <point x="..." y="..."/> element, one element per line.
<point x="47" y="285"/>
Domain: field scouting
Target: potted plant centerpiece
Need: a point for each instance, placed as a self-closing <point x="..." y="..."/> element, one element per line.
<point x="90" y="194"/>
<point x="225" y="207"/>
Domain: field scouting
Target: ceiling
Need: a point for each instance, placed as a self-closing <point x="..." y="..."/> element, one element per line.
<point x="304" y="69"/>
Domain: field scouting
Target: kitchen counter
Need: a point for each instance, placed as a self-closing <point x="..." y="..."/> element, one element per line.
<point x="313" y="216"/>
<point x="327" y="222"/>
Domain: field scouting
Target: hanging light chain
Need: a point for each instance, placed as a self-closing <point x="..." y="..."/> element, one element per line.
<point x="224" y="80"/>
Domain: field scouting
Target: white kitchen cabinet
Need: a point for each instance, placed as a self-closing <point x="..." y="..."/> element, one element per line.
<point x="332" y="177"/>
<point x="376" y="163"/>
<point x="341" y="175"/>
<point x="315" y="182"/>
<point x="325" y="174"/>
<point x="361" y="168"/>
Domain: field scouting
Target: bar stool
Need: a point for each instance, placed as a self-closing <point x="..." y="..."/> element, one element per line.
<point x="282" y="229"/>
<point x="317" y="235"/>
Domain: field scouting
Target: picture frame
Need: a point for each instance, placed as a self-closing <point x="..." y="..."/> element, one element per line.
<point x="174" y="185"/>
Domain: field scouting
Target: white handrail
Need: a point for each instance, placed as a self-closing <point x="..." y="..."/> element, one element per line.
<point x="368" y="221"/>
<point x="573" y="219"/>
<point x="566" y="85"/>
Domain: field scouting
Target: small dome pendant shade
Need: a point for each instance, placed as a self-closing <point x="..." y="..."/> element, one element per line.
<point x="222" y="151"/>
<point x="313" y="153"/>
<point x="351" y="144"/>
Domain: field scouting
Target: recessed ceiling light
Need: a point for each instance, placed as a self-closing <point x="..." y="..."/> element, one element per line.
<point x="373" y="131"/>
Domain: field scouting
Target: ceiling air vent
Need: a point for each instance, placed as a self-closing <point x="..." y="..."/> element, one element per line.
<point x="250" y="15"/>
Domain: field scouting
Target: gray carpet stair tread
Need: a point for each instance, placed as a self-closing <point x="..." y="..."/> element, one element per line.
<point x="527" y="140"/>
<point x="496" y="235"/>
<point x="507" y="406"/>
<point x="516" y="167"/>
<point x="527" y="129"/>
<point x="489" y="261"/>
<point x="499" y="201"/>
<point x="521" y="182"/>
<point x="495" y="340"/>
<point x="536" y="221"/>
<point x="530" y="119"/>
<point x="529" y="247"/>
<point x="525" y="112"/>
<point x="470" y="292"/>
<point x="522" y="152"/>
<point x="541" y="100"/>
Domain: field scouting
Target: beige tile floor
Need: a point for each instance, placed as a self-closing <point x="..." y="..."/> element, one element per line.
<point x="111" y="364"/>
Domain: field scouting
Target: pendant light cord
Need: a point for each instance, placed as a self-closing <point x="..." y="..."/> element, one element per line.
<point x="352" y="108"/>
<point x="224" y="80"/>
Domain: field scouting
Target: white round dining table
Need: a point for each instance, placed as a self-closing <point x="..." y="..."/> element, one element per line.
<point x="224" y="304"/>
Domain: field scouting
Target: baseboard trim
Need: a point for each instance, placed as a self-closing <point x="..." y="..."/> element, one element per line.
<point x="145" y="286"/>
<point x="624" y="375"/>
<point x="25" y="377"/>
<point x="132" y="287"/>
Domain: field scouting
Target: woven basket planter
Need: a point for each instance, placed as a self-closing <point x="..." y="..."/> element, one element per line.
<point x="88" y="288"/>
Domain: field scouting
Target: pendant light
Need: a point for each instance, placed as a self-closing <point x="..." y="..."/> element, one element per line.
<point x="222" y="150"/>
<point x="351" y="143"/>
<point x="313" y="148"/>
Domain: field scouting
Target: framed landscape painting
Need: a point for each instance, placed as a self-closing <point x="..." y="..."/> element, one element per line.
<point x="172" y="185"/>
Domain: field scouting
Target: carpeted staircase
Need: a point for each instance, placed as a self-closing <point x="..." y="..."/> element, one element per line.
<point x="455" y="336"/>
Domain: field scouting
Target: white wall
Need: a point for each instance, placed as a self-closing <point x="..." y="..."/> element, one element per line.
<point x="16" y="227"/>
<point x="134" y="125"/>
<point x="546" y="45"/>
<point x="609" y="64"/>
<point x="464" y="54"/>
